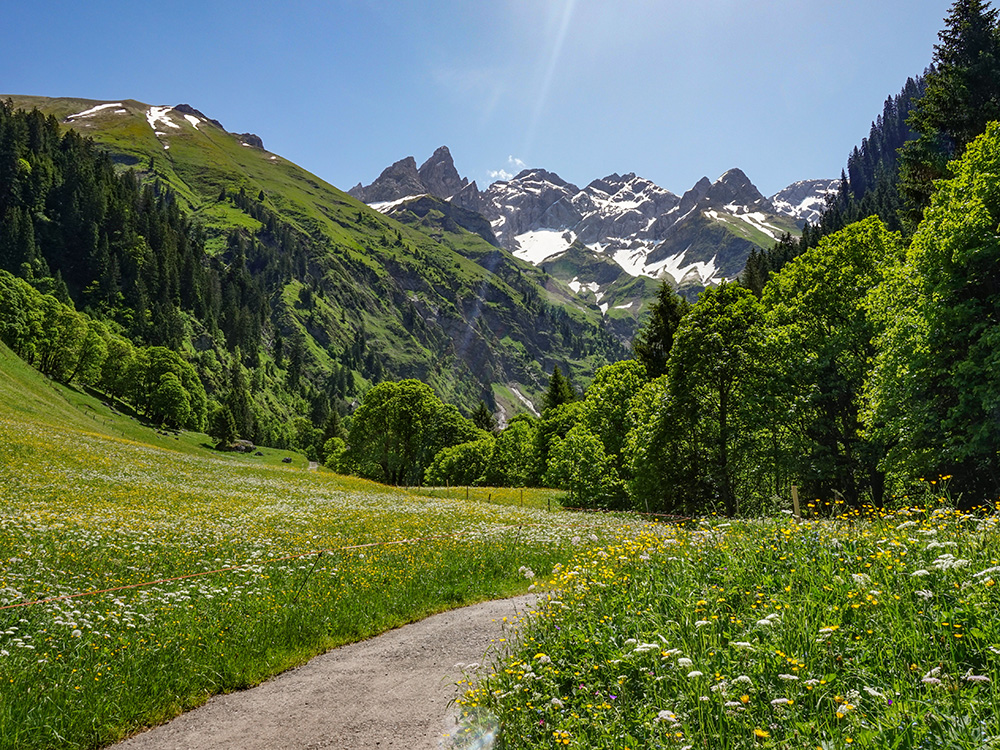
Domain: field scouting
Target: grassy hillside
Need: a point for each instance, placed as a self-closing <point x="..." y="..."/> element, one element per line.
<point x="254" y="567"/>
<point x="427" y="304"/>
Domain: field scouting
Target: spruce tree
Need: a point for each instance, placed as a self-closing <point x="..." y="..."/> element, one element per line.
<point x="559" y="391"/>
<point x="963" y="94"/>
<point x="653" y="343"/>
<point x="483" y="418"/>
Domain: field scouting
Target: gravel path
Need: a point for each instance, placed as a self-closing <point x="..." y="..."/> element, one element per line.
<point x="391" y="691"/>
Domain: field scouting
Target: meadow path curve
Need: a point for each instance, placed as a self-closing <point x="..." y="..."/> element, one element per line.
<point x="391" y="691"/>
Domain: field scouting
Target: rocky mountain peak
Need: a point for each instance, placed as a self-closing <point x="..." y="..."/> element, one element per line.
<point x="734" y="187"/>
<point x="397" y="181"/>
<point x="439" y="176"/>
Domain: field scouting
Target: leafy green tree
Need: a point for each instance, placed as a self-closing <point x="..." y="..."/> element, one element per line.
<point x="606" y="406"/>
<point x="935" y="390"/>
<point x="554" y="424"/>
<point x="817" y="307"/>
<point x="654" y="340"/>
<point x="559" y="391"/>
<point x="465" y="464"/>
<point x="239" y="401"/>
<point x="513" y="455"/>
<point x="169" y="403"/>
<point x="399" y="428"/>
<point x="578" y="464"/>
<point x="713" y="375"/>
<point x="333" y="453"/>
<point x="91" y="353"/>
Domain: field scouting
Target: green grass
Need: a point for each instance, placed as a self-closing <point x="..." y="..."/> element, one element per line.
<point x="870" y="631"/>
<point x="523" y="497"/>
<point x="278" y="563"/>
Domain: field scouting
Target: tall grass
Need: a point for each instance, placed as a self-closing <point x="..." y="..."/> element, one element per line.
<point x="876" y="630"/>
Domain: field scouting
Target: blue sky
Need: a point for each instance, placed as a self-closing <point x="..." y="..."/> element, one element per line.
<point x="669" y="89"/>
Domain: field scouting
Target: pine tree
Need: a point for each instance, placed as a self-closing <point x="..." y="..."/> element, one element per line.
<point x="559" y="391"/>
<point x="483" y="418"/>
<point x="653" y="343"/>
<point x="963" y="94"/>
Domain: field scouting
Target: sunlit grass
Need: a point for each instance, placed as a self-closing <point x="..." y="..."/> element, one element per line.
<point x="274" y="563"/>
<point x="875" y="631"/>
<point x="526" y="497"/>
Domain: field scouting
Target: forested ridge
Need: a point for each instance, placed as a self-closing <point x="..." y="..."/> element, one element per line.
<point x="856" y="363"/>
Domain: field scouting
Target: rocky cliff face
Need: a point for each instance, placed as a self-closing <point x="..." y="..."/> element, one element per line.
<point x="698" y="238"/>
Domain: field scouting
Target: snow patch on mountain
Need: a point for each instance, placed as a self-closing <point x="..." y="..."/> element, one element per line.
<point x="385" y="207"/>
<point x="94" y="110"/>
<point x="195" y="122"/>
<point x="159" y="114"/>
<point x="541" y="244"/>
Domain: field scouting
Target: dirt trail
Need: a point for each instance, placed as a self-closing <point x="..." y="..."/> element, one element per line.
<point x="391" y="691"/>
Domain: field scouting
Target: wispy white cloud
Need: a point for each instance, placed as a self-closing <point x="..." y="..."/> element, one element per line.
<point x="513" y="166"/>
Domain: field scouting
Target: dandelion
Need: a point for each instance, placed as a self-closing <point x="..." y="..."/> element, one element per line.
<point x="757" y="732"/>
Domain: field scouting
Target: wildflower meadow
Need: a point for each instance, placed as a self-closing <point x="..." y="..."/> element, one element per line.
<point x="136" y="580"/>
<point x="874" y="630"/>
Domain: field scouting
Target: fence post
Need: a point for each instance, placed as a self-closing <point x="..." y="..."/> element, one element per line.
<point x="795" y="501"/>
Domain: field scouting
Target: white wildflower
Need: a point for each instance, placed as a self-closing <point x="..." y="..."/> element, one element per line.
<point x="684" y="662"/>
<point x="788" y="677"/>
<point x="919" y="573"/>
<point x="741" y="644"/>
<point x="666" y="716"/>
<point x="695" y="673"/>
<point x="924" y="594"/>
<point x="556" y="703"/>
<point x="702" y="623"/>
<point x="780" y="702"/>
<point x="743" y="680"/>
<point x="76" y="633"/>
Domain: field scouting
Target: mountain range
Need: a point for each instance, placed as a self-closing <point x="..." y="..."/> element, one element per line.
<point x="478" y="293"/>
<point x="698" y="238"/>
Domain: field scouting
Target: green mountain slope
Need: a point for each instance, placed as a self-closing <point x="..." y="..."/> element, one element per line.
<point x="347" y="286"/>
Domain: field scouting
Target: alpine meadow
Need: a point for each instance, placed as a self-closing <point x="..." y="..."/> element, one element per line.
<point x="743" y="449"/>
